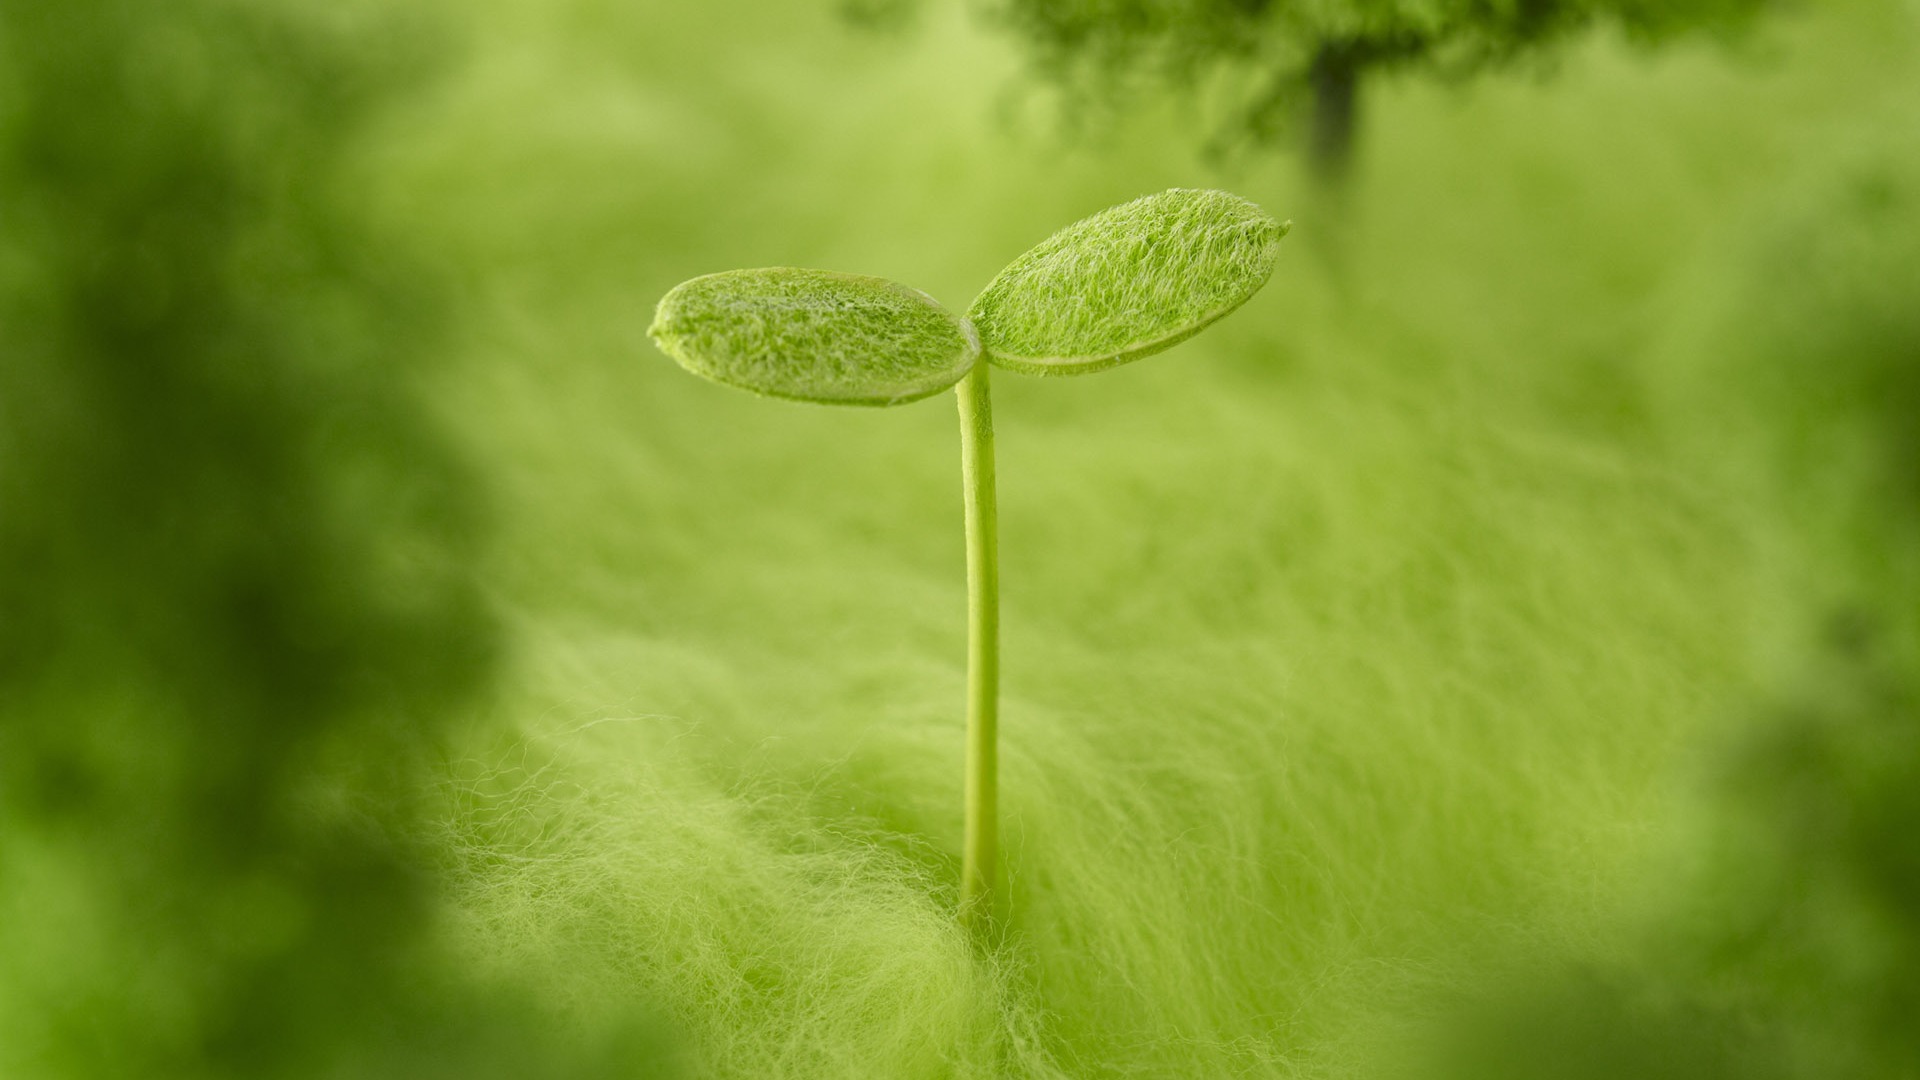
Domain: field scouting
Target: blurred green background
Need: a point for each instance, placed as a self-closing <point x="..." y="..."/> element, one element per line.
<point x="1493" y="652"/>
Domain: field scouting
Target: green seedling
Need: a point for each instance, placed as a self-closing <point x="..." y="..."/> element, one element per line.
<point x="1125" y="283"/>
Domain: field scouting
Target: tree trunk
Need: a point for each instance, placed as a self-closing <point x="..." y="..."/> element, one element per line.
<point x="1335" y="81"/>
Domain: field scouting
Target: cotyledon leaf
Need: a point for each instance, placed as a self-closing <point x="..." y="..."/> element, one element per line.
<point x="1127" y="282"/>
<point x="815" y="335"/>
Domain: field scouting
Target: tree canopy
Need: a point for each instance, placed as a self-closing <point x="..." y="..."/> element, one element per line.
<point x="1292" y="59"/>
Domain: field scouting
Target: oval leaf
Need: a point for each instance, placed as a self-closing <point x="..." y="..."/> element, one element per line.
<point x="815" y="335"/>
<point x="1127" y="282"/>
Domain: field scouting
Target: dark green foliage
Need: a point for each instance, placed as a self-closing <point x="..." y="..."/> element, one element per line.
<point x="1795" y="951"/>
<point x="1815" y="892"/>
<point x="1290" y="57"/>
<point x="1790" y="946"/>
<point x="1818" y="863"/>
<point x="1822" y="335"/>
<point x="232" y="562"/>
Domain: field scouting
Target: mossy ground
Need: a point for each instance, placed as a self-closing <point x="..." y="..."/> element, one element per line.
<point x="1365" y="645"/>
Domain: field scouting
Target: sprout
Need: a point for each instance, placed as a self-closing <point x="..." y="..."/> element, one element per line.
<point x="1125" y="283"/>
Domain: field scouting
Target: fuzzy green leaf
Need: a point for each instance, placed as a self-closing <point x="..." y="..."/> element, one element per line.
<point x="815" y="335"/>
<point x="1127" y="282"/>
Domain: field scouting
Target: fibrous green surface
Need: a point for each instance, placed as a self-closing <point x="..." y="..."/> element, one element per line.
<point x="1127" y="282"/>
<point x="1345" y="665"/>
<point x="814" y="335"/>
<point x="1366" y="656"/>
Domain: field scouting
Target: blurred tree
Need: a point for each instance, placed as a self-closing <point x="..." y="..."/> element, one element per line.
<point x="1794" y="953"/>
<point x="233" y="560"/>
<point x="1290" y="56"/>
<point x="1818" y="870"/>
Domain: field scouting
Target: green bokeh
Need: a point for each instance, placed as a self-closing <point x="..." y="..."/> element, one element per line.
<point x="1491" y="652"/>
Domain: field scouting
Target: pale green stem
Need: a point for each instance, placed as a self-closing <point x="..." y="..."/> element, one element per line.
<point x="981" y="841"/>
